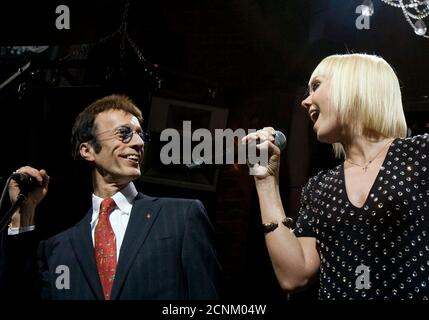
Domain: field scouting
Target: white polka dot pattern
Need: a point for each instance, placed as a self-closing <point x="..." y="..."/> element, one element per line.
<point x="389" y="234"/>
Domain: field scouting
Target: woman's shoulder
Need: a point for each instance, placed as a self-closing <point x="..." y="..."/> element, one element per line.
<point x="418" y="145"/>
<point x="326" y="175"/>
<point x="421" y="139"/>
<point x="411" y="150"/>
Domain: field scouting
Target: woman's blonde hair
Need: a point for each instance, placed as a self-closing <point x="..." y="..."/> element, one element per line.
<point x="365" y="94"/>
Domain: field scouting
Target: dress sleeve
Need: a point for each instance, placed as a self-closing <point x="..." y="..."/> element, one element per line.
<point x="305" y="222"/>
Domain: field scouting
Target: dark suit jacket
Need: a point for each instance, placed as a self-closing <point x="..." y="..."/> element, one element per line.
<point x="167" y="253"/>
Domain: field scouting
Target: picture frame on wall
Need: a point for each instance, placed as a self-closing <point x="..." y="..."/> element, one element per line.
<point x="171" y="113"/>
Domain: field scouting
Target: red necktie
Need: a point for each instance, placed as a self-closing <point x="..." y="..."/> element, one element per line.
<point x="105" y="247"/>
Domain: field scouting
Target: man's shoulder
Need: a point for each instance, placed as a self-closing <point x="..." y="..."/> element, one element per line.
<point x="65" y="234"/>
<point x="177" y="208"/>
<point x="170" y="201"/>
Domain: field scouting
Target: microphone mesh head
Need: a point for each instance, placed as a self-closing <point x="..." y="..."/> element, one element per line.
<point x="280" y="140"/>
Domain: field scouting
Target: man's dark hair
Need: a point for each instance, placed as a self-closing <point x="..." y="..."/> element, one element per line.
<point x="84" y="128"/>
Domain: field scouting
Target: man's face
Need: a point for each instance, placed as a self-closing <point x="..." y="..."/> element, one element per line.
<point x="117" y="161"/>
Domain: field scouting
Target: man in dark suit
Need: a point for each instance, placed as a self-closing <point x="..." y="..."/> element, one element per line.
<point x="129" y="245"/>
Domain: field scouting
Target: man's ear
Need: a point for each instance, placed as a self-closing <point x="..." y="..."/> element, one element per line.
<point x="86" y="151"/>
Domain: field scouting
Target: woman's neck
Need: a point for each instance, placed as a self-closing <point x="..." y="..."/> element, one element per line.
<point x="361" y="150"/>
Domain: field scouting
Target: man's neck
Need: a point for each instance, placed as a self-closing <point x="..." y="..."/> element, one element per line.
<point x="104" y="189"/>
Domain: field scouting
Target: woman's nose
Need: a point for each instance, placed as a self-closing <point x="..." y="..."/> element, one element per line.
<point x="306" y="103"/>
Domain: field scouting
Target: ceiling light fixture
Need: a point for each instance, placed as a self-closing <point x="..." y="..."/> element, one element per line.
<point x="414" y="11"/>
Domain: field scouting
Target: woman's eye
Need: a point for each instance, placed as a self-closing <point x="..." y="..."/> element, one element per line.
<point x="315" y="85"/>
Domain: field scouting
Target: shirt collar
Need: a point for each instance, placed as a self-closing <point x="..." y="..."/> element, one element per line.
<point x="123" y="199"/>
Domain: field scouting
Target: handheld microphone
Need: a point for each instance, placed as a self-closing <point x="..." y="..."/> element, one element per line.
<point x="280" y="140"/>
<point x="26" y="183"/>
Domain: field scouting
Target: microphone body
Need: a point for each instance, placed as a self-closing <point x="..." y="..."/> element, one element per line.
<point x="26" y="183"/>
<point x="280" y="140"/>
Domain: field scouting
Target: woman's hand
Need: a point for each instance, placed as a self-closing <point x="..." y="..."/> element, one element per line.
<point x="265" y="142"/>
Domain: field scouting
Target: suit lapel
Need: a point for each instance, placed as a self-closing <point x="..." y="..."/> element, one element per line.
<point x="143" y="214"/>
<point x="81" y="240"/>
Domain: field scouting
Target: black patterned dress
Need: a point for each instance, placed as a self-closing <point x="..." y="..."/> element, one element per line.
<point x="386" y="241"/>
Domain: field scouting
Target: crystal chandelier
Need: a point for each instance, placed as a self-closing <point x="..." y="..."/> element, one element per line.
<point x="414" y="11"/>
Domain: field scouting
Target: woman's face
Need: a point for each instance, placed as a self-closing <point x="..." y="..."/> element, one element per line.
<point x="326" y="124"/>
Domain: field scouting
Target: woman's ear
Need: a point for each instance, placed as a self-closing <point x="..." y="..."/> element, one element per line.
<point x="86" y="151"/>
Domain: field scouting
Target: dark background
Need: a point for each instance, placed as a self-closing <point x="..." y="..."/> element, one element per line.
<point x="252" y="57"/>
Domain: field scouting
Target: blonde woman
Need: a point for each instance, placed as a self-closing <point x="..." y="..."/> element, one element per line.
<point x="362" y="229"/>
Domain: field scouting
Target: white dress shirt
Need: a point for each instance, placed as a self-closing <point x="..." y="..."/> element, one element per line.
<point x="118" y="218"/>
<point x="120" y="215"/>
<point x="15" y="231"/>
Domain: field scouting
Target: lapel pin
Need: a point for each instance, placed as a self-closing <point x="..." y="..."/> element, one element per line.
<point x="148" y="215"/>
